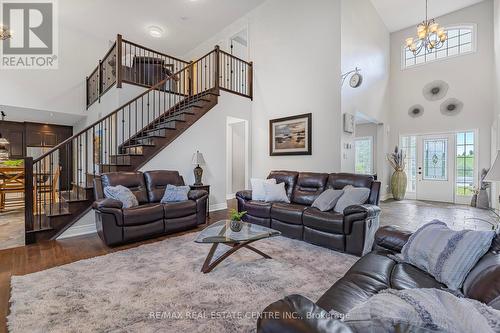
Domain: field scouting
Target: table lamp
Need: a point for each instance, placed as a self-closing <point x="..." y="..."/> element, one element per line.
<point x="198" y="171"/>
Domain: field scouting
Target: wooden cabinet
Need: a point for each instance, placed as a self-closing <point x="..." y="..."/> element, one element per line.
<point x="22" y="135"/>
<point x="14" y="133"/>
<point x="39" y="135"/>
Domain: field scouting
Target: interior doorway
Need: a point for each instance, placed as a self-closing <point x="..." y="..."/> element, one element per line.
<point x="238" y="44"/>
<point x="237" y="151"/>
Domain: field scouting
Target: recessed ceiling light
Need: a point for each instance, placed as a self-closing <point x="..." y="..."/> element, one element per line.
<point x="155" y="31"/>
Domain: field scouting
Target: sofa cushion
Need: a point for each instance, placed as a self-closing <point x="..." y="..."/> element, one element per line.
<point x="352" y="196"/>
<point x="406" y="276"/>
<point x="483" y="281"/>
<point x="324" y="221"/>
<point x="422" y="310"/>
<point x="367" y="277"/>
<point x="287" y="177"/>
<point x="258" y="208"/>
<point x="258" y="192"/>
<point x="157" y="181"/>
<point x="308" y="187"/>
<point x="327" y="200"/>
<point x="289" y="213"/>
<point x="179" y="209"/>
<point x="134" y="181"/>
<point x="142" y="214"/>
<point x="122" y="194"/>
<point x="175" y="194"/>
<point x="338" y="181"/>
<point x="446" y="254"/>
<point x="275" y="193"/>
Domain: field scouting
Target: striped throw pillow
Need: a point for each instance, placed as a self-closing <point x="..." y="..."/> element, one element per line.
<point x="446" y="254"/>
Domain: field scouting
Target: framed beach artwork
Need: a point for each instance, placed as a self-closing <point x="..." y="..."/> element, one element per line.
<point x="291" y="135"/>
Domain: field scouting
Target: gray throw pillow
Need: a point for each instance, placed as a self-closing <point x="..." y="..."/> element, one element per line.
<point x="352" y="196"/>
<point x="327" y="200"/>
<point x="275" y="193"/>
<point x="421" y="310"/>
<point x="175" y="194"/>
<point x="123" y="194"/>
<point x="446" y="254"/>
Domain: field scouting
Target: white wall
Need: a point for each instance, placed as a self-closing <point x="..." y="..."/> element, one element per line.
<point x="208" y="135"/>
<point x="495" y="137"/>
<point x="295" y="49"/>
<point x="60" y="90"/>
<point x="470" y="78"/>
<point x="366" y="45"/>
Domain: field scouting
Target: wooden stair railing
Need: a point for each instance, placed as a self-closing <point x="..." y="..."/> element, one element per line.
<point x="131" y="63"/>
<point x="124" y="140"/>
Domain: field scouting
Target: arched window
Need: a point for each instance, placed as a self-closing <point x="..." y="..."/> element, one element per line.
<point x="461" y="40"/>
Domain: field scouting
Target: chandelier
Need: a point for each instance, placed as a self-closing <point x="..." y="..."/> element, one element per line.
<point x="5" y="33"/>
<point x="429" y="35"/>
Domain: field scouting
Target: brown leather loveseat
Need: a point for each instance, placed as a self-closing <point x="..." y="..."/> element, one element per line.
<point x="117" y="225"/>
<point x="351" y="231"/>
<point x="371" y="274"/>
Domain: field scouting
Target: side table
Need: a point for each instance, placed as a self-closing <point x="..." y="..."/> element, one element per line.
<point x="206" y="188"/>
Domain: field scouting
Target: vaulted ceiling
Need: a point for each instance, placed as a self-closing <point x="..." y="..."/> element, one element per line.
<point x="186" y="23"/>
<point x="400" y="14"/>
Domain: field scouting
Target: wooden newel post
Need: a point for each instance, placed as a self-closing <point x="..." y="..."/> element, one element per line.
<point x="119" y="41"/>
<point x="250" y="81"/>
<point x="28" y="194"/>
<point x="217" y="67"/>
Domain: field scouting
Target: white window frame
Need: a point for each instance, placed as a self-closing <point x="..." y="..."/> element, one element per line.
<point x="471" y="26"/>
<point x="363" y="138"/>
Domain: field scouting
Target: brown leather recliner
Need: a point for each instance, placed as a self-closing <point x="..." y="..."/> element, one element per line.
<point x="117" y="225"/>
<point x="351" y="231"/>
<point x="372" y="273"/>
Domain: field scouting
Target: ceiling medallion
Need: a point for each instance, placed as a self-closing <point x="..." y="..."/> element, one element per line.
<point x="430" y="35"/>
<point x="5" y="33"/>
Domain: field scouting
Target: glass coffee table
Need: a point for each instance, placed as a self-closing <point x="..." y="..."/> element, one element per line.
<point x="221" y="233"/>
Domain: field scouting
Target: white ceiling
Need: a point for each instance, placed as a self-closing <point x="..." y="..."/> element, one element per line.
<point x="14" y="113"/>
<point x="399" y="14"/>
<point x="186" y="23"/>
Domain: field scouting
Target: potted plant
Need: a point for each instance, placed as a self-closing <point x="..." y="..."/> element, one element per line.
<point x="236" y="217"/>
<point x="398" y="179"/>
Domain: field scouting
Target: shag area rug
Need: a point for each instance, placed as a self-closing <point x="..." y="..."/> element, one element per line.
<point x="158" y="287"/>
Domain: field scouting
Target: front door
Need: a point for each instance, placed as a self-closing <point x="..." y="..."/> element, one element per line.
<point x="436" y="167"/>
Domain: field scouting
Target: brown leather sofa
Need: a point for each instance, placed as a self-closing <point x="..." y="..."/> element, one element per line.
<point x="117" y="225"/>
<point x="351" y="231"/>
<point x="372" y="273"/>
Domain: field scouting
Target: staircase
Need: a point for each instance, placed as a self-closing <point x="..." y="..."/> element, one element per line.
<point x="59" y="184"/>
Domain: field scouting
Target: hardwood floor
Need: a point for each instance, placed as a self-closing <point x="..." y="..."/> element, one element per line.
<point x="37" y="257"/>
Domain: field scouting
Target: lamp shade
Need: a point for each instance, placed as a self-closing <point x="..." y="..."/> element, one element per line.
<point x="198" y="159"/>
<point x="494" y="174"/>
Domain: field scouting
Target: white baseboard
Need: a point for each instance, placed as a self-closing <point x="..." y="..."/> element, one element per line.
<point x="216" y="207"/>
<point x="79" y="230"/>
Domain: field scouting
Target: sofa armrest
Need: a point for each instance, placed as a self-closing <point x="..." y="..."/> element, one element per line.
<point x="107" y="203"/>
<point x="298" y="314"/>
<point x="392" y="238"/>
<point x="196" y="194"/>
<point x="359" y="213"/>
<point x="245" y="195"/>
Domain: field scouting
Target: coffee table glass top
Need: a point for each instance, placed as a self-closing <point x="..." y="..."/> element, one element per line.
<point x="220" y="232"/>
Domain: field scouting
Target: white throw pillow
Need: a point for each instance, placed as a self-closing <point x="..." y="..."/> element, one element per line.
<point x="327" y="200"/>
<point x="275" y="193"/>
<point x="258" y="192"/>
